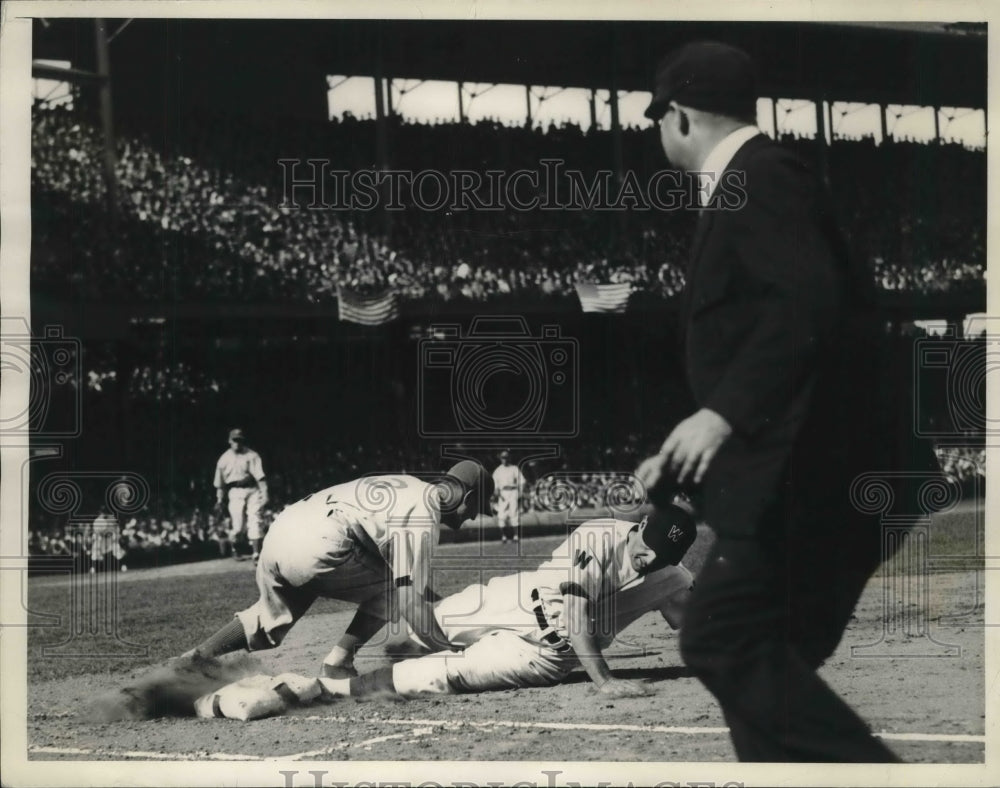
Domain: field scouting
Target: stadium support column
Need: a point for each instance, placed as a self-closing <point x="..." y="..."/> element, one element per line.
<point x="593" y="110"/>
<point x="616" y="134"/>
<point x="937" y="125"/>
<point x="774" y="117"/>
<point x="527" y="99"/>
<point x="107" y="127"/>
<point x="381" y="139"/>
<point x="822" y="153"/>
<point x="883" y="116"/>
<point x="616" y="126"/>
<point x="461" y="104"/>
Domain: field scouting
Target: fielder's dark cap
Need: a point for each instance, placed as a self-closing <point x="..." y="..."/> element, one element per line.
<point x="473" y="476"/>
<point x="706" y="75"/>
<point x="670" y="531"/>
<point x="236" y="434"/>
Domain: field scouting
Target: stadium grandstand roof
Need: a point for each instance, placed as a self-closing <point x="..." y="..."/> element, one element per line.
<point x="279" y="66"/>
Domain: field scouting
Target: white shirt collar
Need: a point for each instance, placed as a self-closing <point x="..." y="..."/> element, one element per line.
<point x="717" y="161"/>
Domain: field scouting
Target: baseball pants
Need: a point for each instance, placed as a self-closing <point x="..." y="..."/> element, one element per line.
<point x="302" y="560"/>
<point x="507" y="511"/>
<point x="500" y="660"/>
<point x="507" y="515"/>
<point x="244" y="512"/>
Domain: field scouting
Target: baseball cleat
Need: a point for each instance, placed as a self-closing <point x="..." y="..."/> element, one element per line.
<point x="339" y="671"/>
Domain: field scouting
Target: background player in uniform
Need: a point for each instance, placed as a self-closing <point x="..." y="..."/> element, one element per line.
<point x="239" y="477"/>
<point x="508" y="481"/>
<point x="531" y="629"/>
<point x="106" y="550"/>
<point x="367" y="541"/>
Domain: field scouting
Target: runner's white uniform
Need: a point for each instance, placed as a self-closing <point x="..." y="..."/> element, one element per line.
<point x="513" y="626"/>
<point x="357" y="541"/>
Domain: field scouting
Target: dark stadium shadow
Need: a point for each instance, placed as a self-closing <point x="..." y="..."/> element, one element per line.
<point x="652" y="675"/>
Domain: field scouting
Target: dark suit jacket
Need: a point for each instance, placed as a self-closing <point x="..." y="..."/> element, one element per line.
<point x="781" y="338"/>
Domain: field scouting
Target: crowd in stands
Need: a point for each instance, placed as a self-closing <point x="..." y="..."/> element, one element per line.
<point x="208" y="219"/>
<point x="203" y="219"/>
<point x="172" y="381"/>
<point x="964" y="466"/>
<point x="137" y="541"/>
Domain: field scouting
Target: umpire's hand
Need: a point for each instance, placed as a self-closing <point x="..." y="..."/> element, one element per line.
<point x="688" y="449"/>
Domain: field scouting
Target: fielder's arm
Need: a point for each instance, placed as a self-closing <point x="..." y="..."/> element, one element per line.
<point x="418" y="609"/>
<point x="413" y="541"/>
<point x="579" y="623"/>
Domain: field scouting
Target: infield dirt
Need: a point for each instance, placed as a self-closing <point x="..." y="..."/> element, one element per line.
<point x="167" y="610"/>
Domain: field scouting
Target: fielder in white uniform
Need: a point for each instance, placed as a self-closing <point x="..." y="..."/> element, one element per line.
<point x="508" y="482"/>
<point x="368" y="541"/>
<point x="239" y="477"/>
<point x="105" y="541"/>
<point x="531" y="629"/>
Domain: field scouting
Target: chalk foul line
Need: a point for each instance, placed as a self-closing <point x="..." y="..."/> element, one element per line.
<point x="425" y="727"/>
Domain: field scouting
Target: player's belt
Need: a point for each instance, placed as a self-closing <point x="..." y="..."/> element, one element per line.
<point x="244" y="483"/>
<point x="549" y="635"/>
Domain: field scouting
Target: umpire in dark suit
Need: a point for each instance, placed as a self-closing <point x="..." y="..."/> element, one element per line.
<point x="781" y="347"/>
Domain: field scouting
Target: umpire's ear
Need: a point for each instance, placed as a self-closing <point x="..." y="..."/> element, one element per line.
<point x="471" y="501"/>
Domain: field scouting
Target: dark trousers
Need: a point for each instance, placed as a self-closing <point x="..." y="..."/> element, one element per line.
<point x="763" y="616"/>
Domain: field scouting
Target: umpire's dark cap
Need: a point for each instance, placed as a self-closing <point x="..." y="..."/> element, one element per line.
<point x="670" y="531"/>
<point x="706" y="75"/>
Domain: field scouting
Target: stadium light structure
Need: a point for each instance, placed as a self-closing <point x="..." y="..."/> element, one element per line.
<point x="107" y="123"/>
<point x="101" y="79"/>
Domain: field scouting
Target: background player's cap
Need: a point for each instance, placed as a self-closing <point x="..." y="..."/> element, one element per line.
<point x="670" y="531"/>
<point x="473" y="476"/>
<point x="706" y="75"/>
<point x="236" y="434"/>
<point x="505" y="455"/>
